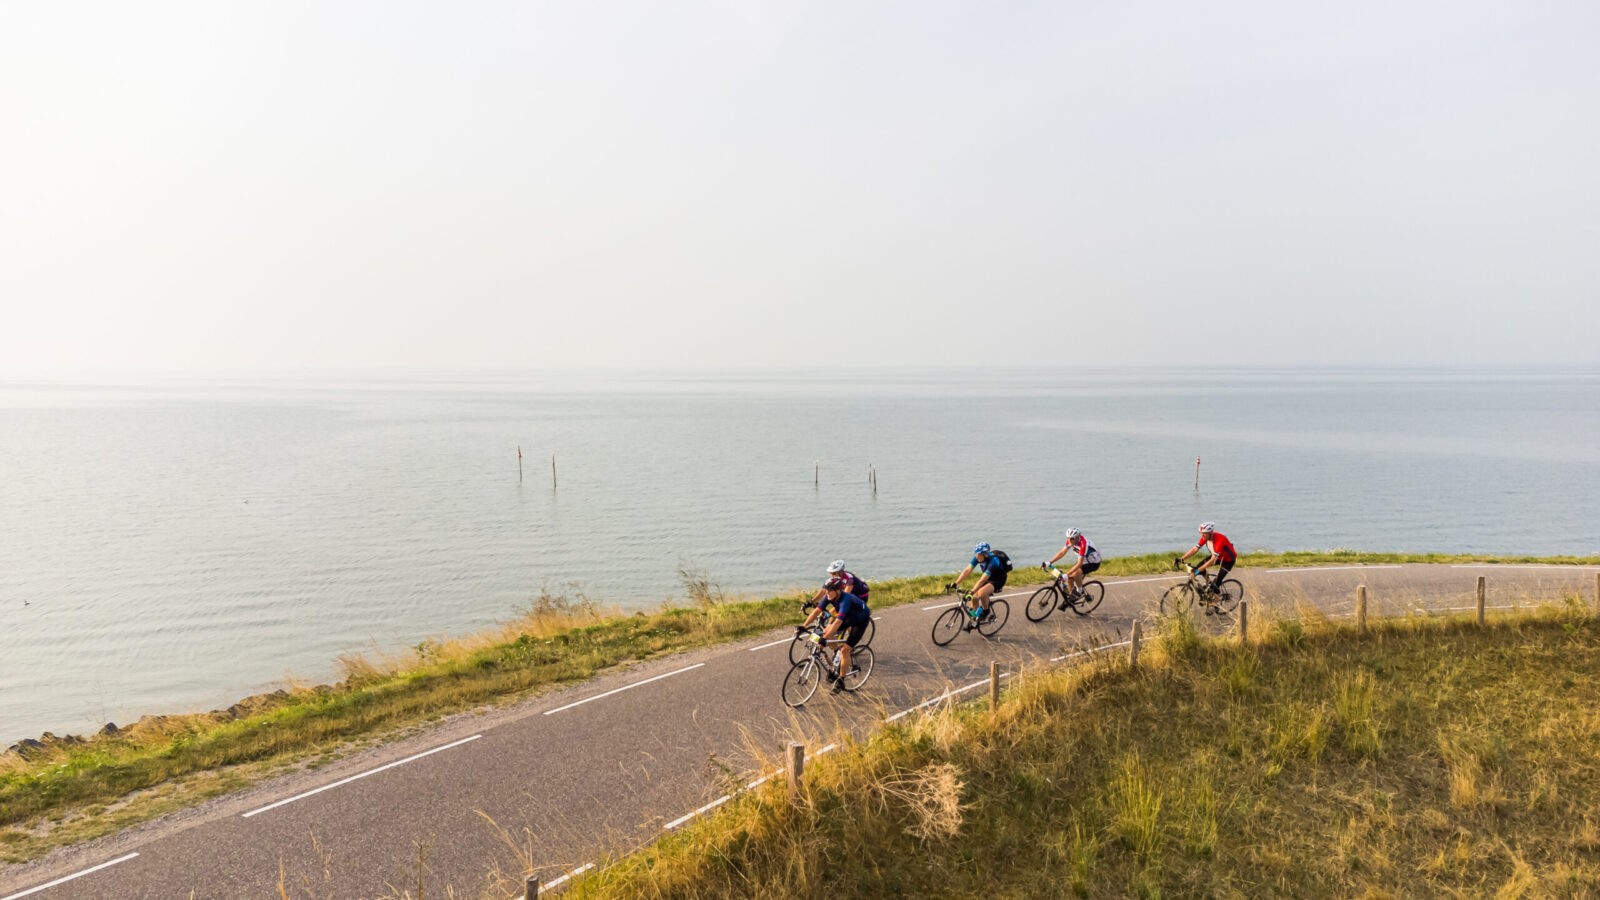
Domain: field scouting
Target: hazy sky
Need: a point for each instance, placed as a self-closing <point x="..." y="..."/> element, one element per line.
<point x="294" y="185"/>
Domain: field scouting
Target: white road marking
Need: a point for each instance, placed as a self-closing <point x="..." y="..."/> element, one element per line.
<point x="1572" y="568"/>
<point x="67" y="878"/>
<point x="1090" y="650"/>
<point x="944" y="696"/>
<point x="1324" y="568"/>
<point x="941" y="606"/>
<point x="565" y="878"/>
<point x="687" y="816"/>
<point x="621" y="689"/>
<point x="786" y="640"/>
<point x="1143" y="580"/>
<point x="358" y="777"/>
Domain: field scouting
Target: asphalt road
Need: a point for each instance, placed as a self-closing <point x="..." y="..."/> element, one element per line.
<point x="562" y="778"/>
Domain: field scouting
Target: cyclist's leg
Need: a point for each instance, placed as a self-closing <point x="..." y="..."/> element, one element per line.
<point x="1084" y="570"/>
<point x="1223" y="568"/>
<point x="980" y="598"/>
<point x="1075" y="577"/>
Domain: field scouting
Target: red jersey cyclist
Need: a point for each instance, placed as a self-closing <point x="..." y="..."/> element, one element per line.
<point x="1088" y="559"/>
<point x="1222" y="553"/>
<point x="852" y="584"/>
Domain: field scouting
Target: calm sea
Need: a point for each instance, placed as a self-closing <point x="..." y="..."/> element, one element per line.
<point x="171" y="546"/>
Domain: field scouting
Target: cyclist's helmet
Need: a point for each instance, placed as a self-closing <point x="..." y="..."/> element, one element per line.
<point x="836" y="567"/>
<point x="1207" y="527"/>
<point x="1073" y="533"/>
<point x="981" y="548"/>
<point x="833" y="584"/>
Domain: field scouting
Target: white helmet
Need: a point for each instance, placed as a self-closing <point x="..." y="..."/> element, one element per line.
<point x="1073" y="533"/>
<point x="1207" y="527"/>
<point x="836" y="567"/>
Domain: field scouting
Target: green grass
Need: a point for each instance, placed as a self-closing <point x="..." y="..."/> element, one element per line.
<point x="1430" y="758"/>
<point x="73" y="791"/>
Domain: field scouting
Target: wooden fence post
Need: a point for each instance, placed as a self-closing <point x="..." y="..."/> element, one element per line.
<point x="1133" y="644"/>
<point x="1244" y="621"/>
<point x="530" y="888"/>
<point x="994" y="685"/>
<point x="1480" y="599"/>
<point x="1361" y="610"/>
<point x="797" y="765"/>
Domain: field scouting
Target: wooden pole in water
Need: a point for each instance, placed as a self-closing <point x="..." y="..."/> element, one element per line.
<point x="519" y="464"/>
<point x="1361" y="610"/>
<point x="552" y="470"/>
<point x="1197" y="473"/>
<point x="1481" y="583"/>
<point x="816" y="474"/>
<point x="797" y="765"/>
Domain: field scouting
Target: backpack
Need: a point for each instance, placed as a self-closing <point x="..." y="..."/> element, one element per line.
<point x="1004" y="559"/>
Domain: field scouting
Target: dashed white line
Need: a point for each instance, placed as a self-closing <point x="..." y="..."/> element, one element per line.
<point x="773" y="644"/>
<point x="567" y="877"/>
<point x="619" y="690"/>
<point x="1143" y="580"/>
<point x="1324" y="568"/>
<point x="687" y="816"/>
<point x="944" y="696"/>
<point x="67" y="878"/>
<point x="1572" y="568"/>
<point x="399" y="762"/>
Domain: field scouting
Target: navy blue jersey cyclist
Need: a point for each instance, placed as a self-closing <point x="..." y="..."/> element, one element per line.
<point x="984" y="560"/>
<point x="850" y="614"/>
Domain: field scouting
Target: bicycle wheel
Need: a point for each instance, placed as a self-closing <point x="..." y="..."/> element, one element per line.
<point x="799" y="648"/>
<point x="801" y="682"/>
<point x="1178" y="600"/>
<point x="1042" y="603"/>
<point x="861" y="661"/>
<point x="1093" y="593"/>
<point x="948" y="625"/>
<point x="999" y="611"/>
<point x="866" y="636"/>
<point x="1229" y="595"/>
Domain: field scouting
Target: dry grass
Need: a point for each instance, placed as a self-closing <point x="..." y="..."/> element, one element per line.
<point x="1432" y="758"/>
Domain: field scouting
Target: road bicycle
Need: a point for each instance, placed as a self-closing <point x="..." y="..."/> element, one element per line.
<point x="964" y="617"/>
<point x="1057" y="595"/>
<point x="1197" y="590"/>
<point x="797" y="647"/>
<point x="822" y="658"/>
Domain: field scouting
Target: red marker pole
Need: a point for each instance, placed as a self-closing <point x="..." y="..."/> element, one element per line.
<point x="1197" y="473"/>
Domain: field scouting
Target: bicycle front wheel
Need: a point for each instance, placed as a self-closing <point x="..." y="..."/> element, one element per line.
<point x="801" y="682"/>
<point x="1093" y="593"/>
<point x="948" y="625"/>
<point x="861" y="664"/>
<point x="1178" y="600"/>
<point x="998" y="612"/>
<point x="799" y="648"/>
<point x="1042" y="603"/>
<point x="1229" y="595"/>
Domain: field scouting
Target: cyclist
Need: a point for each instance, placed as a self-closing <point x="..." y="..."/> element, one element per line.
<point x="849" y="612"/>
<point x="1222" y="553"/>
<point x="993" y="566"/>
<point x="1088" y="560"/>
<point x="852" y="584"/>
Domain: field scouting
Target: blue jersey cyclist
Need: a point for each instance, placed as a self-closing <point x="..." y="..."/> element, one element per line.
<point x="993" y="567"/>
<point x="850" y="614"/>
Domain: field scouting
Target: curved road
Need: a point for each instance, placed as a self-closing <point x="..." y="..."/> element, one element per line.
<point x="605" y="765"/>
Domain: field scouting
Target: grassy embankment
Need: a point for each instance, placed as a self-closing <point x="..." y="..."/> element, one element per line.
<point x="70" y="790"/>
<point x="1429" y="758"/>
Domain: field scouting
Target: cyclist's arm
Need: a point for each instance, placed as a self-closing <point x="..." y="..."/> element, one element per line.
<point x="811" y="618"/>
<point x="833" y="628"/>
<point x="1059" y="553"/>
<point x="1192" y="551"/>
<point x="964" y="573"/>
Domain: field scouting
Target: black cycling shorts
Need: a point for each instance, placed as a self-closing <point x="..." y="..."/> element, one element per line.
<point x="999" y="583"/>
<point x="1090" y="567"/>
<point x="854" y="633"/>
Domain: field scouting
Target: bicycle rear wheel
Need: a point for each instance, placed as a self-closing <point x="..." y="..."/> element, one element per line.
<point x="866" y="636"/>
<point x="1093" y="593"/>
<point x="861" y="661"/>
<point x="1178" y="600"/>
<point x="998" y="612"/>
<point x="801" y="682"/>
<point x="1229" y="595"/>
<point x="1042" y="603"/>
<point x="949" y="624"/>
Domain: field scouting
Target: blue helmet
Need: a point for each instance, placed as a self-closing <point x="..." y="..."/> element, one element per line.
<point x="981" y="548"/>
